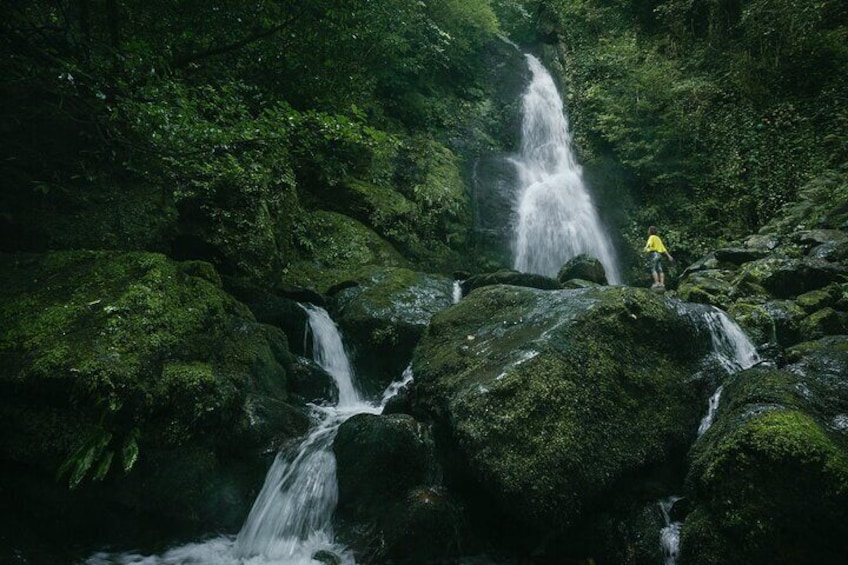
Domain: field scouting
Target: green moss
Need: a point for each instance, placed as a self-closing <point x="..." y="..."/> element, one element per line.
<point x="826" y="321"/>
<point x="125" y="341"/>
<point x="553" y="396"/>
<point x="769" y="477"/>
<point x="336" y="247"/>
<point x="756" y="322"/>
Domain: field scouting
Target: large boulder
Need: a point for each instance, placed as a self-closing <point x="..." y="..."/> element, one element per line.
<point x="584" y="268"/>
<point x="769" y="479"/>
<point x="511" y="277"/>
<point x="142" y="374"/>
<point x="547" y="402"/>
<point x="787" y="277"/>
<point x="390" y="500"/>
<point x="384" y="315"/>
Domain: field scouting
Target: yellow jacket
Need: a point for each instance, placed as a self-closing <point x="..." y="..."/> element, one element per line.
<point x="655" y="244"/>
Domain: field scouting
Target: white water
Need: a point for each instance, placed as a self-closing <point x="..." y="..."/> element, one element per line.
<point x="734" y="352"/>
<point x="556" y="218"/>
<point x="457" y="291"/>
<point x="291" y="518"/>
<point x="670" y="534"/>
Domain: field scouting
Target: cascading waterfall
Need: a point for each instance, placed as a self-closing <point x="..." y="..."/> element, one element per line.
<point x="734" y="352"/>
<point x="291" y="518"/>
<point x="670" y="534"/>
<point x="456" y="295"/>
<point x="556" y="218"/>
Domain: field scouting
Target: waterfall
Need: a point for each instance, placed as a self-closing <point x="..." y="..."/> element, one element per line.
<point x="734" y="352"/>
<point x="731" y="346"/>
<point x="670" y="534"/>
<point x="291" y="519"/>
<point x="556" y="218"/>
<point x="292" y="516"/>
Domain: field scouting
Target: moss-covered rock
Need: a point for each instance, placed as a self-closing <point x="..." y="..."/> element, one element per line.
<point x="583" y="267"/>
<point x="787" y="277"/>
<point x="126" y="366"/>
<point x="384" y="316"/>
<point x="820" y="323"/>
<point x="511" y="277"/>
<point x="389" y="496"/>
<point x="337" y="247"/>
<point x="769" y="479"/>
<point x="818" y="299"/>
<point x="712" y="286"/>
<point x="786" y="318"/>
<point x="549" y="398"/>
<point x="758" y="324"/>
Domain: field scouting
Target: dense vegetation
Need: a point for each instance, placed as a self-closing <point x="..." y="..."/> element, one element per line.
<point x="163" y="134"/>
<point x="713" y="112"/>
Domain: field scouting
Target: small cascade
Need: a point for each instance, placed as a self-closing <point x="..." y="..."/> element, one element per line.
<point x="731" y="346"/>
<point x="734" y="352"/>
<point x="457" y="291"/>
<point x="708" y="418"/>
<point x="291" y="518"/>
<point x="556" y="218"/>
<point x="670" y="534"/>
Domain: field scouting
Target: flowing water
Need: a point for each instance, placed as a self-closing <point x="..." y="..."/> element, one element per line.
<point x="556" y="218"/>
<point x="734" y="352"/>
<point x="670" y="534"/>
<point x="291" y="519"/>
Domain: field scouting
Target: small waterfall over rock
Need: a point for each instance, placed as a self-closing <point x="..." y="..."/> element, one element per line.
<point x="670" y="534"/>
<point x="556" y="218"/>
<point x="292" y="516"/>
<point x="291" y="519"/>
<point x="734" y="352"/>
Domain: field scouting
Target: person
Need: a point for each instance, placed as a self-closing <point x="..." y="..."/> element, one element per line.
<point x="656" y="249"/>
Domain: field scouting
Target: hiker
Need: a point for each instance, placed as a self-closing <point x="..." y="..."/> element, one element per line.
<point x="655" y="249"/>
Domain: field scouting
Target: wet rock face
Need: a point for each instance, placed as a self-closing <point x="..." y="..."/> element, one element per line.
<point x="551" y="397"/>
<point x="773" y="468"/>
<point x="391" y="504"/>
<point x="584" y="268"/>
<point x="119" y="362"/>
<point x="510" y="277"/>
<point x="384" y="316"/>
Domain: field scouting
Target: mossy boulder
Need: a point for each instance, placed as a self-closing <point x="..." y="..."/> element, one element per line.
<point x="786" y="318"/>
<point x="820" y="323"/>
<point x="711" y="286"/>
<point x="384" y="315"/>
<point x="548" y="401"/>
<point x="337" y="247"/>
<point x="756" y="321"/>
<point x="584" y="268"/>
<point x="769" y="479"/>
<point x="128" y="368"/>
<point x="276" y="308"/>
<point x="511" y="277"/>
<point x="788" y="277"/>
<point x="390" y="503"/>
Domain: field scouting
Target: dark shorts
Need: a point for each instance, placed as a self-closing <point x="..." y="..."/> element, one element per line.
<point x="655" y="262"/>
